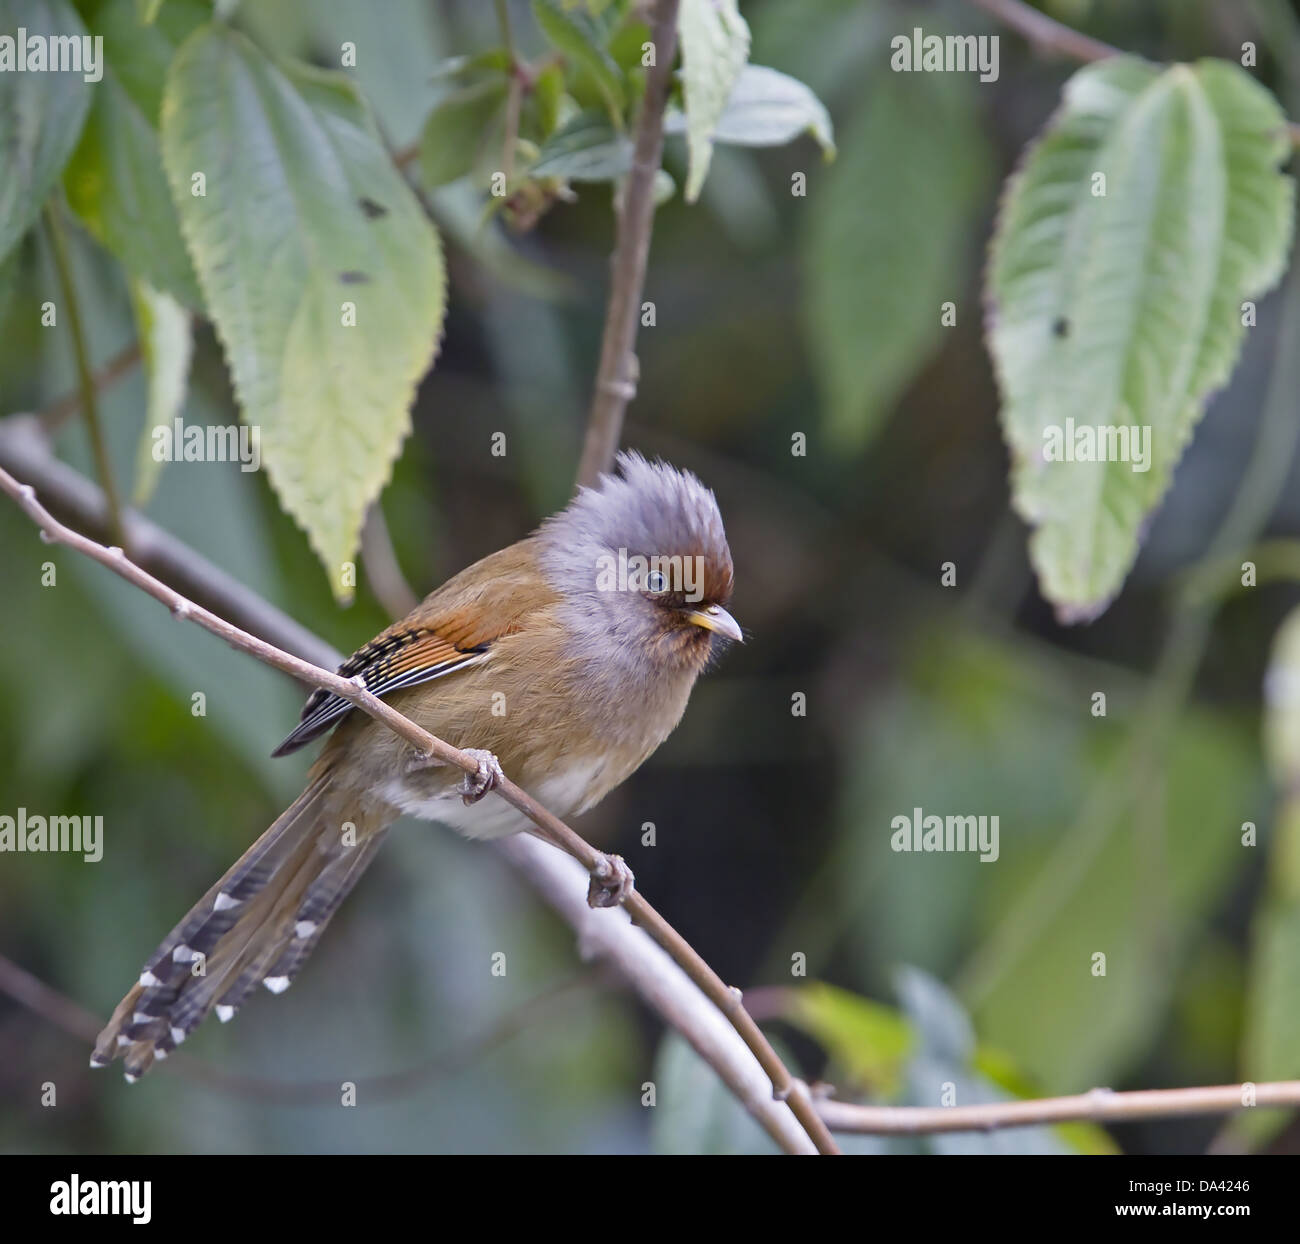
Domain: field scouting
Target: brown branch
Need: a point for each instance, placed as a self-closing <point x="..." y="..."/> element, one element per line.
<point x="617" y="374"/>
<point x="1049" y="35"/>
<point x="58" y="412"/>
<point x="25" y="452"/>
<point x="1099" y="1106"/>
<point x="1045" y="33"/>
<point x="601" y="867"/>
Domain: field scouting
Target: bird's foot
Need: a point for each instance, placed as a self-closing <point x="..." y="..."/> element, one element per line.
<point x="611" y="882"/>
<point x="475" y="785"/>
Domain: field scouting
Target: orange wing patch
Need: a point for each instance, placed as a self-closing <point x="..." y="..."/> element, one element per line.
<point x="395" y="659"/>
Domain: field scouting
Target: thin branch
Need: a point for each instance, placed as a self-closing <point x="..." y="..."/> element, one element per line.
<point x="602" y="868"/>
<point x="617" y="374"/>
<point x="1098" y="1106"/>
<point x="1045" y="33"/>
<point x="383" y="571"/>
<point x="1048" y="35"/>
<point x="58" y="412"/>
<point x="25" y="452"/>
<point x="85" y="381"/>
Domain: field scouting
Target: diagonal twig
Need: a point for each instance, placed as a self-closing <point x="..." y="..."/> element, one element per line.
<point x="602" y="869"/>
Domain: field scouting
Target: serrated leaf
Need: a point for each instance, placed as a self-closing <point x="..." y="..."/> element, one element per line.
<point x="768" y="108"/>
<point x="457" y="129"/>
<point x="587" y="149"/>
<point x="115" y="181"/>
<point x="715" y="47"/>
<point x="582" y="39"/>
<point x="41" y="114"/>
<point x="1150" y="209"/>
<point x="888" y="229"/>
<point x="304" y="211"/>
<point x="166" y="344"/>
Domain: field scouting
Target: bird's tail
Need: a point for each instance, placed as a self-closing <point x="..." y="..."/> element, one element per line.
<point x="257" y="924"/>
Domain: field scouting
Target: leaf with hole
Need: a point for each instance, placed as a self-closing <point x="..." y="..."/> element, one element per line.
<point x="1150" y="209"/>
<point x="324" y="278"/>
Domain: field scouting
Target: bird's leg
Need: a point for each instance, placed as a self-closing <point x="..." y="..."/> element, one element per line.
<point x="611" y="882"/>
<point x="475" y="785"/>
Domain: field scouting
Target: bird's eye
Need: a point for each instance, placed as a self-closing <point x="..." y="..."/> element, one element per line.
<point x="656" y="581"/>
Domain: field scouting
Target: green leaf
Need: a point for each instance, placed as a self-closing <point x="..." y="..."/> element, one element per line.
<point x="869" y="1040"/>
<point x="587" y="149"/>
<point x="888" y="229"/>
<point x="715" y="47"/>
<point x="166" y="344"/>
<point x="303" y="212"/>
<point x="41" y="115"/>
<point x="768" y="108"/>
<point x="1123" y="308"/>
<point x="582" y="40"/>
<point x="115" y="181"/>
<point x="457" y="130"/>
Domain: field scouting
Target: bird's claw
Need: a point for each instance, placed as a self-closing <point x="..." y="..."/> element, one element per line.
<point x="611" y="882"/>
<point x="475" y="785"/>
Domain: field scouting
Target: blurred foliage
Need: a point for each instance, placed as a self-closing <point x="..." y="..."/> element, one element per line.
<point x="879" y="574"/>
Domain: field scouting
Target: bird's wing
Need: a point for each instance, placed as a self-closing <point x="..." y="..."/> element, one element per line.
<point x="452" y="630"/>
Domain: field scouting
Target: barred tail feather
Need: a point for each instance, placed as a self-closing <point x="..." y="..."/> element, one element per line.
<point x="257" y="924"/>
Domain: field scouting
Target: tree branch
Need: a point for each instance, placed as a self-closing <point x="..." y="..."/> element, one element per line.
<point x="1049" y="35"/>
<point x="25" y="452"/>
<point x="783" y="1087"/>
<point x="617" y="374"/>
<point x="1045" y="33"/>
<point x="1098" y="1106"/>
<point x="53" y="416"/>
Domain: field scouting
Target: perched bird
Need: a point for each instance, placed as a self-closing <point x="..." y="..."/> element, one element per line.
<point x="566" y="658"/>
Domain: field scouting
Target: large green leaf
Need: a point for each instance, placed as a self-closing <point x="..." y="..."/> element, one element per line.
<point x="304" y="212"/>
<point x="115" y="180"/>
<point x="715" y="47"/>
<point x="41" y="114"/>
<point x="889" y="225"/>
<point x="1151" y="208"/>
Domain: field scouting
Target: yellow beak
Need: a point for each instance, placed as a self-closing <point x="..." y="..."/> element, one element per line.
<point x="716" y="618"/>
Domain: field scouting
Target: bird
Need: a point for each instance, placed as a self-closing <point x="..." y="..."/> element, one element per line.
<point x="563" y="660"/>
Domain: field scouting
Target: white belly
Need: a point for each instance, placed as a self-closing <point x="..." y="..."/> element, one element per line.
<point x="491" y="817"/>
